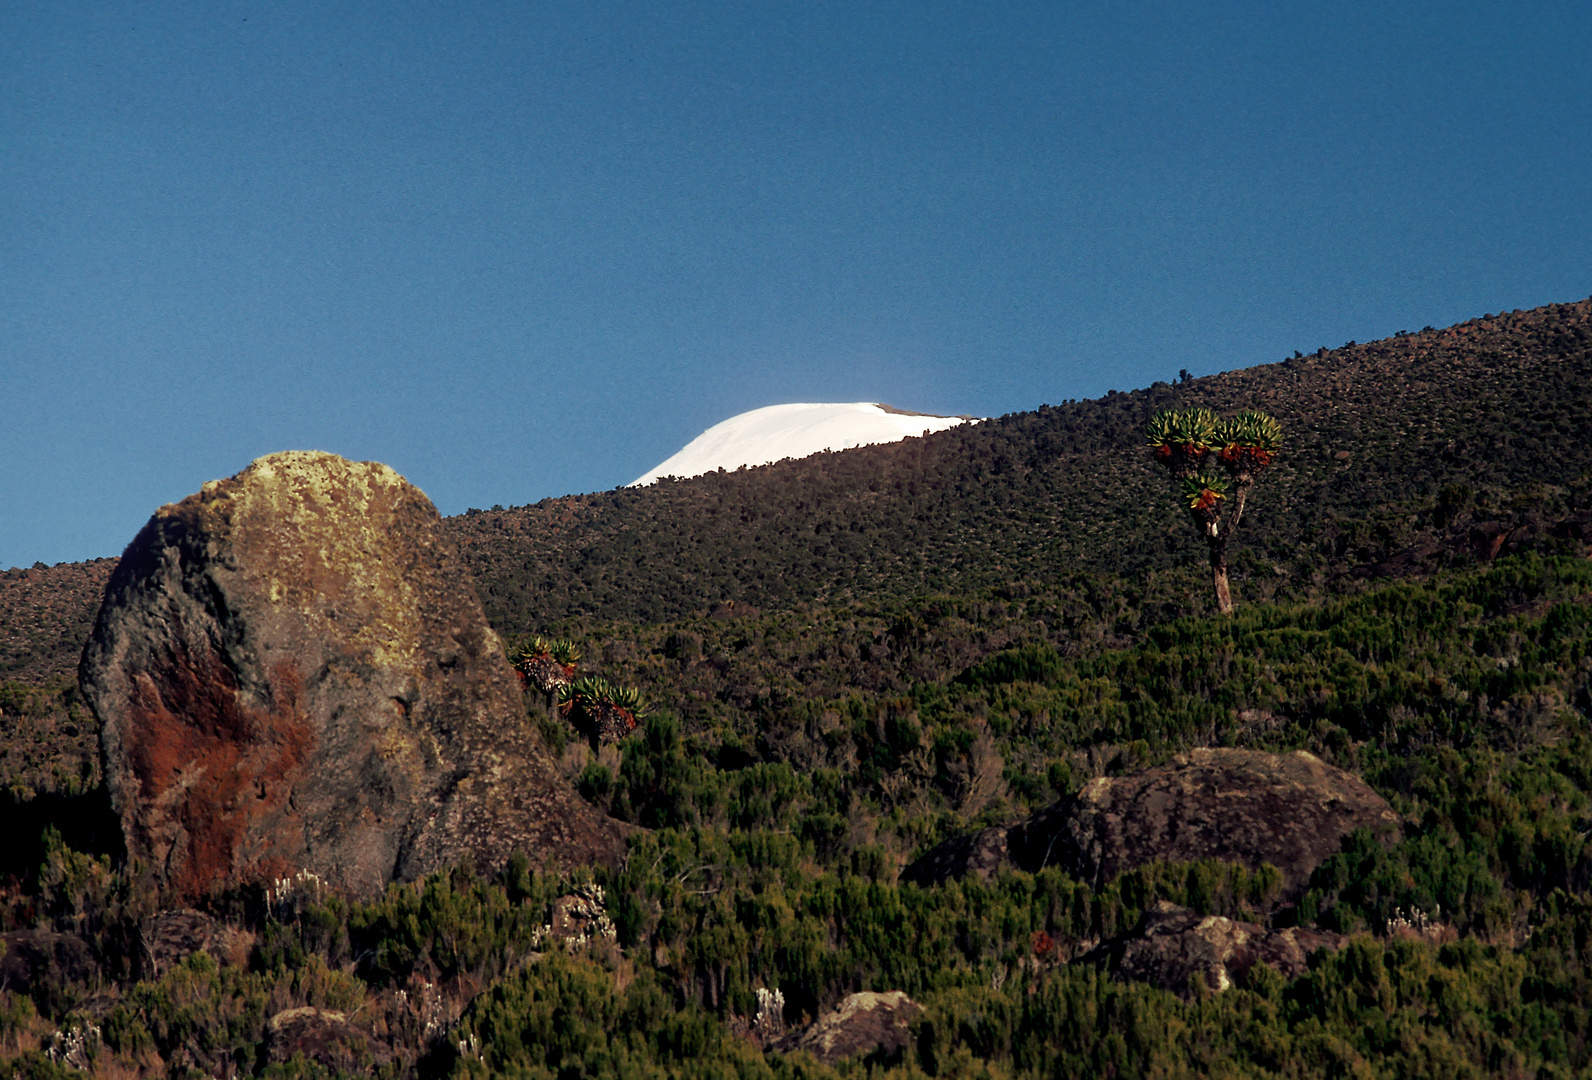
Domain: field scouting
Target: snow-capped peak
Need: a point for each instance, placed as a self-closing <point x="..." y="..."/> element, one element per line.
<point x="776" y="432"/>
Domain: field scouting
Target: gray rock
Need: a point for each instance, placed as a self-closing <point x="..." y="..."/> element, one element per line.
<point x="1241" y="806"/>
<point x="864" y="1023"/>
<point x="292" y="673"/>
<point x="169" y="937"/>
<point x="324" y="1037"/>
<point x="1180" y="951"/>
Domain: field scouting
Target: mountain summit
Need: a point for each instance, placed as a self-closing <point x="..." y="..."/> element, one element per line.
<point x="776" y="432"/>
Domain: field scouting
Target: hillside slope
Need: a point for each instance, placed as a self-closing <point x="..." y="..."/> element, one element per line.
<point x="1496" y="411"/>
<point x="1420" y="445"/>
<point x="799" y="756"/>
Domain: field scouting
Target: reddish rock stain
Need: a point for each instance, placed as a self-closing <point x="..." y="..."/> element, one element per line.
<point x="222" y="771"/>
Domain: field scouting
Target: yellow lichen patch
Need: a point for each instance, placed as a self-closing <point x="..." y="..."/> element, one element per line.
<point x="403" y="751"/>
<point x="320" y="534"/>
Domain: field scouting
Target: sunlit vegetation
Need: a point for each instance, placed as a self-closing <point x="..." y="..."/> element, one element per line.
<point x="772" y="862"/>
<point x="814" y="673"/>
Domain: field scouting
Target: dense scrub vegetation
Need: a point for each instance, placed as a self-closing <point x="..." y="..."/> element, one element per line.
<point x="1418" y="451"/>
<point x="1411" y="441"/>
<point x="46" y="614"/>
<point x="772" y="862"/>
<point x="852" y="658"/>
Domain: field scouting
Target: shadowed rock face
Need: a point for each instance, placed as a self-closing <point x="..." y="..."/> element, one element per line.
<point x="1241" y="806"/>
<point x="980" y="854"/>
<point x="292" y="671"/>
<point x="1176" y="949"/>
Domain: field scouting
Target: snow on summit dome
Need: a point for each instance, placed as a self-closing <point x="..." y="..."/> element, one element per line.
<point x="776" y="432"/>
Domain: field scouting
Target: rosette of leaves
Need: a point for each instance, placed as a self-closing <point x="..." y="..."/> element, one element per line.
<point x="597" y="707"/>
<point x="1181" y="438"/>
<point x="1247" y="443"/>
<point x="547" y="663"/>
<point x="1204" y="493"/>
<point x="1183" y="441"/>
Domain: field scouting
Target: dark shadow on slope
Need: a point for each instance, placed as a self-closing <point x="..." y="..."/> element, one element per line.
<point x="85" y="821"/>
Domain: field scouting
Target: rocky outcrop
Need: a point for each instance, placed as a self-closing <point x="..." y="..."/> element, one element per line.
<point x="1241" y="806"/>
<point x="325" y="1037"/>
<point x="1181" y="951"/>
<point x="170" y="937"/>
<point x="863" y="1024"/>
<point x="292" y="673"/>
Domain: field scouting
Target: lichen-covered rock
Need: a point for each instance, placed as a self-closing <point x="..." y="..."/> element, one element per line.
<point x="1241" y="806"/>
<point x="292" y="672"/>
<point x="863" y="1024"/>
<point x="578" y="917"/>
<point x="1181" y="951"/>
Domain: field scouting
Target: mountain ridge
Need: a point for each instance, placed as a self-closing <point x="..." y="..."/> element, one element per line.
<point x="1030" y="496"/>
<point x="1373" y="434"/>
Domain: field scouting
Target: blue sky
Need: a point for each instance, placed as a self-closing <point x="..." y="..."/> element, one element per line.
<point x="521" y="250"/>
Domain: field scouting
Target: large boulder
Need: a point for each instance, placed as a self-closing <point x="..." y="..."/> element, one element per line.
<point x="293" y="675"/>
<point x="170" y="937"/>
<point x="1241" y="806"/>
<point x="44" y="962"/>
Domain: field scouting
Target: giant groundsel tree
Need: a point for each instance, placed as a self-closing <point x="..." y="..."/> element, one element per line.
<point x="1217" y="461"/>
